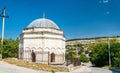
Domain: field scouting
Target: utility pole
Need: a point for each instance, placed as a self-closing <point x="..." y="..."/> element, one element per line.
<point x="3" y="22"/>
<point x="109" y="52"/>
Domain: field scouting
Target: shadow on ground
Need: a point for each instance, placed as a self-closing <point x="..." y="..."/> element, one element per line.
<point x="115" y="70"/>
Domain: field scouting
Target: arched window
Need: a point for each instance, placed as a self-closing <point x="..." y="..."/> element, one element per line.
<point x="47" y="49"/>
<point x="27" y="48"/>
<point x="58" y="50"/>
<point x="52" y="49"/>
<point x="40" y="49"/>
<point x="52" y="57"/>
<point x="33" y="48"/>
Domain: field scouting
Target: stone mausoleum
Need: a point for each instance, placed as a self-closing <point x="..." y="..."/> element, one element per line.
<point x="42" y="42"/>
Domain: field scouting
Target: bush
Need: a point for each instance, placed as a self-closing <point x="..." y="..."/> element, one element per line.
<point x="83" y="58"/>
<point x="100" y="56"/>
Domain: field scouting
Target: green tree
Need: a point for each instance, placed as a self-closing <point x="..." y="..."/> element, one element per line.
<point x="99" y="55"/>
<point x="71" y="54"/>
<point x="115" y="54"/>
<point x="10" y="48"/>
<point x="74" y="51"/>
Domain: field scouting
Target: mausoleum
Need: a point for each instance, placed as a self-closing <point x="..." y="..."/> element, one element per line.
<point x="42" y="42"/>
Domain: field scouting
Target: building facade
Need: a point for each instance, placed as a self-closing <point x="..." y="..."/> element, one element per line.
<point x="42" y="42"/>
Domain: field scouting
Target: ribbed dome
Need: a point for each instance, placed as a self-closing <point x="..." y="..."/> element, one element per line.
<point x="43" y="23"/>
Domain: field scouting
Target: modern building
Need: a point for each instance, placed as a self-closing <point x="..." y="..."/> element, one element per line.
<point x="42" y="42"/>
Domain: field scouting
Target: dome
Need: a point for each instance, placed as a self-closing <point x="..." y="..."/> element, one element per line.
<point x="43" y="23"/>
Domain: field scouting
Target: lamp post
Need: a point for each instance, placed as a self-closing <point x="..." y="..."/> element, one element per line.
<point x="109" y="52"/>
<point x="3" y="22"/>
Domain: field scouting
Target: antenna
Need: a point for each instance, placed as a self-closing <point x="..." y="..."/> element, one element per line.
<point x="3" y="22"/>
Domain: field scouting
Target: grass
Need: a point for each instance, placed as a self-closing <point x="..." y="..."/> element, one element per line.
<point x="36" y="66"/>
<point x="106" y="67"/>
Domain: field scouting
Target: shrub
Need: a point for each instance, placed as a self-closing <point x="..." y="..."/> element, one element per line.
<point x="83" y="58"/>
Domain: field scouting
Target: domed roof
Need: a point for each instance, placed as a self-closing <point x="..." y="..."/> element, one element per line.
<point x="43" y="23"/>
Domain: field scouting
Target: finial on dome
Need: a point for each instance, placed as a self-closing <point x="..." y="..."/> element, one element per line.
<point x="43" y="15"/>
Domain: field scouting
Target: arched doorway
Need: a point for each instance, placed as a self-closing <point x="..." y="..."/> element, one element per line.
<point x="33" y="56"/>
<point x="52" y="57"/>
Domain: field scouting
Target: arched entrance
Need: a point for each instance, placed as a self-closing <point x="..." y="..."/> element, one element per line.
<point x="33" y="56"/>
<point x="52" y="57"/>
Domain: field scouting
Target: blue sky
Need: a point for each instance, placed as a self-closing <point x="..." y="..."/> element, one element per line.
<point x="77" y="18"/>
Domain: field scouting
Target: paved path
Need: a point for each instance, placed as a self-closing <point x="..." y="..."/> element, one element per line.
<point x="9" y="68"/>
<point x="85" y="69"/>
<point x="100" y="70"/>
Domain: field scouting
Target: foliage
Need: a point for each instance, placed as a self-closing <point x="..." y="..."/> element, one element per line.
<point x="76" y="50"/>
<point x="115" y="54"/>
<point x="99" y="55"/>
<point x="83" y="58"/>
<point x="80" y="48"/>
<point x="10" y="48"/>
<point x="71" y="54"/>
<point x="52" y="71"/>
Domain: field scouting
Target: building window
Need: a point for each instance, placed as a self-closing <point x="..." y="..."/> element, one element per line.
<point x="52" y="57"/>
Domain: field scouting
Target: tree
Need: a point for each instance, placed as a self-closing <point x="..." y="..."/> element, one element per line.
<point x="10" y="48"/>
<point x="115" y="54"/>
<point x="99" y="55"/>
<point x="71" y="54"/>
<point x="74" y="51"/>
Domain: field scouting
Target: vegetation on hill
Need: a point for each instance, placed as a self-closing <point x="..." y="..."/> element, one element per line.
<point x="99" y="52"/>
<point x="75" y="51"/>
<point x="83" y="58"/>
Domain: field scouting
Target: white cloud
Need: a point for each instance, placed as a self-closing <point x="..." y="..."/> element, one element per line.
<point x="105" y="1"/>
<point x="107" y="12"/>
